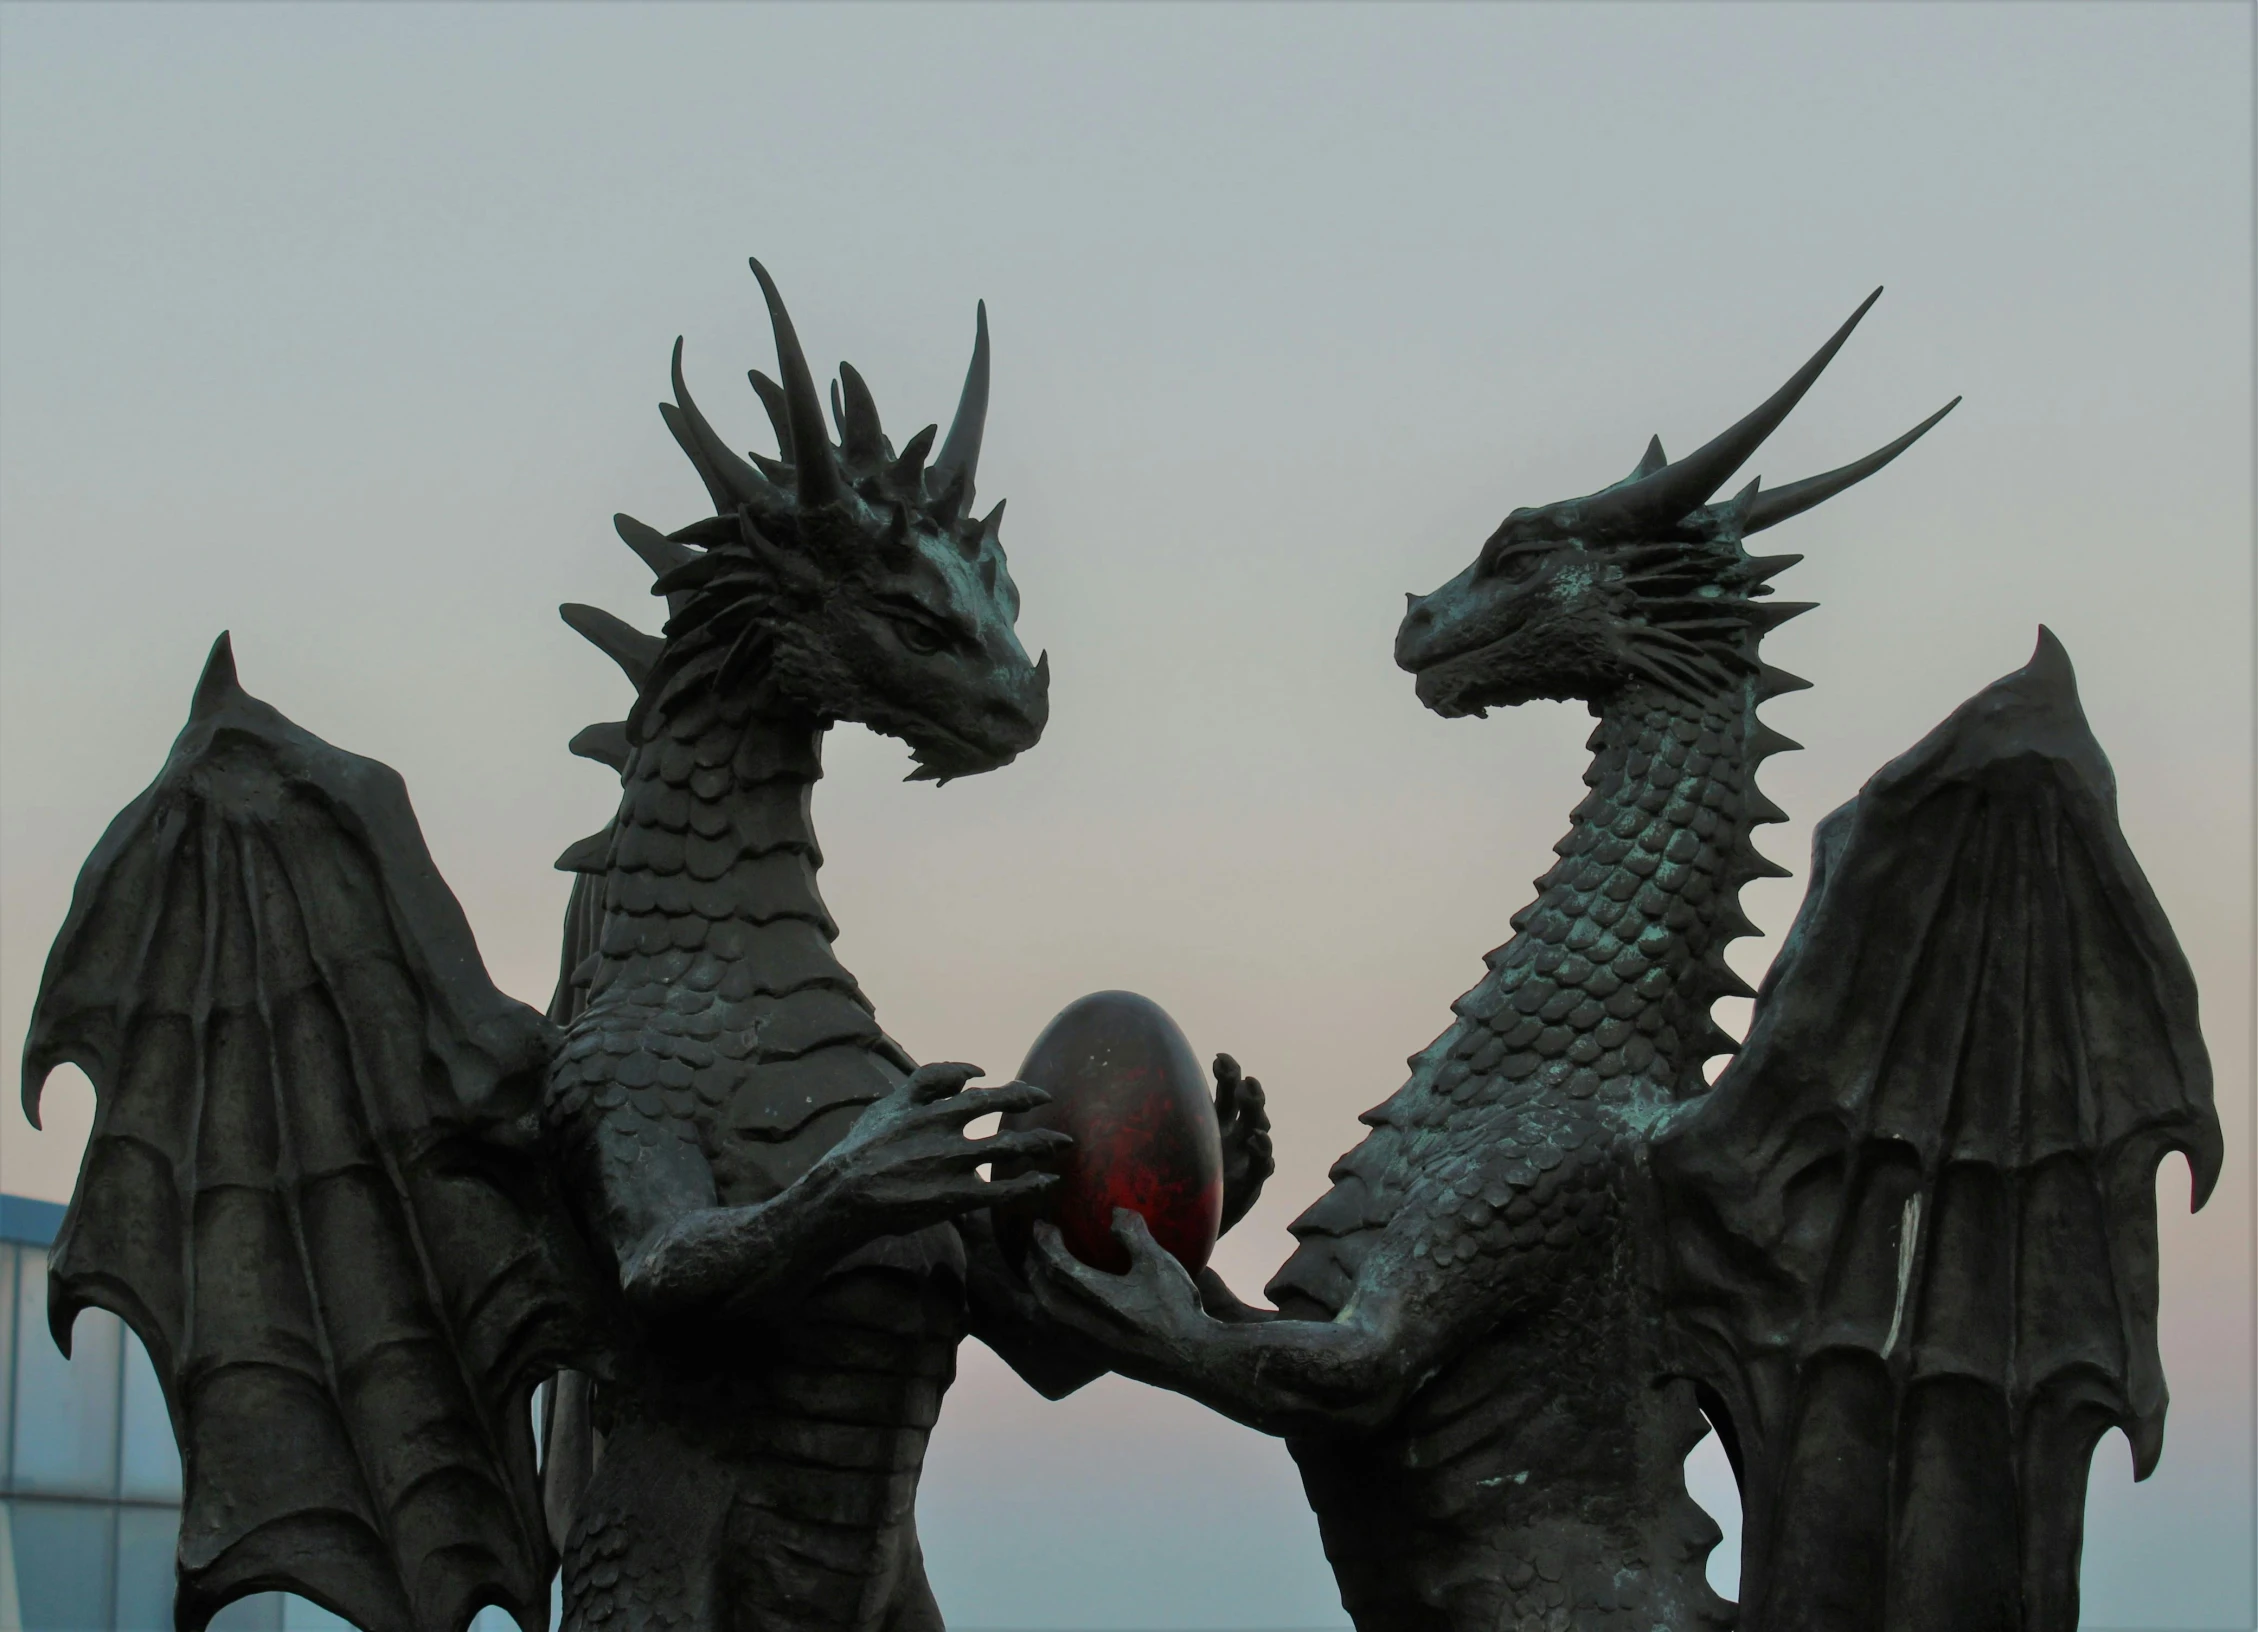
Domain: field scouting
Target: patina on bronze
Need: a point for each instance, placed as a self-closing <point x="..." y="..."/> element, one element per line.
<point x="358" y="1203"/>
<point x="1902" y="1255"/>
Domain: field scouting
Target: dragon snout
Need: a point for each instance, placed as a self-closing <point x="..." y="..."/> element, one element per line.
<point x="1416" y="630"/>
<point x="1012" y="717"/>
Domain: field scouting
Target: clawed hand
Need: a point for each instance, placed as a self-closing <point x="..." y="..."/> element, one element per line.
<point x="1151" y="1313"/>
<point x="907" y="1162"/>
<point x="1243" y="1121"/>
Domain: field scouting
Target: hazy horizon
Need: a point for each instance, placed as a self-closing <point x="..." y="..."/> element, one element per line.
<point x="341" y="327"/>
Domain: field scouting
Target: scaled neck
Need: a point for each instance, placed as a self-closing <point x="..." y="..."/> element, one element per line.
<point x="1615" y="965"/>
<point x="714" y="850"/>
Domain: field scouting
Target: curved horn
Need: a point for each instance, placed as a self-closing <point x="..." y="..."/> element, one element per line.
<point x="1677" y="489"/>
<point x="728" y="479"/>
<point x="1776" y="506"/>
<point x="803" y="409"/>
<point x="960" y="450"/>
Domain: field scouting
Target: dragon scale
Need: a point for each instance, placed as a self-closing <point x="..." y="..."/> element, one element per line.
<point x="1506" y="1160"/>
<point x="717" y="1016"/>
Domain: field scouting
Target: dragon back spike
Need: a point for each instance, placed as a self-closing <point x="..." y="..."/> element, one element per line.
<point x="779" y="417"/>
<point x="863" y="439"/>
<point x="657" y="551"/>
<point x="635" y="652"/>
<point x="730" y="480"/>
<point x="908" y="472"/>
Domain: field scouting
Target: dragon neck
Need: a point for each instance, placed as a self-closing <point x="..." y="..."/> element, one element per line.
<point x="1615" y="965"/>
<point x="710" y="872"/>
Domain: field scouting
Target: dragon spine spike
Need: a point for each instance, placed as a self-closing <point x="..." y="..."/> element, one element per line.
<point x="1678" y="489"/>
<point x="1766" y="616"/>
<point x="1773" y="682"/>
<point x="960" y="450"/>
<point x="658" y="552"/>
<point x="635" y="652"/>
<point x="1759" y="865"/>
<point x="1764" y="742"/>
<point x="992" y="524"/>
<point x="1763" y="812"/>
<point x="1795" y="498"/>
<point x="907" y="474"/>
<point x="861" y="436"/>
<point x="588" y="855"/>
<point x="215" y="688"/>
<point x="1650" y="461"/>
<point x="1744" y="504"/>
<point x="1726" y="981"/>
<point x="779" y="417"/>
<point x="607" y="744"/>
<point x="732" y="482"/>
<point x="956" y="493"/>
<point x="803" y="409"/>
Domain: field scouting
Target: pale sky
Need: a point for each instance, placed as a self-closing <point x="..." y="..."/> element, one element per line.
<point x="342" y="326"/>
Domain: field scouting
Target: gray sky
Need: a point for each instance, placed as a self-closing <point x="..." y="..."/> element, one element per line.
<point x="341" y="326"/>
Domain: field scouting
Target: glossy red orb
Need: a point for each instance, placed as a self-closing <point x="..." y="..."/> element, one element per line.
<point x="1125" y="1083"/>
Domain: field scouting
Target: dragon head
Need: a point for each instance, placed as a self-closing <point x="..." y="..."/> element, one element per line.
<point x="846" y="577"/>
<point x="1644" y="582"/>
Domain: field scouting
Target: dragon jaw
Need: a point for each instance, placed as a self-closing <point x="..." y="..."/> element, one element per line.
<point x="848" y="580"/>
<point x="1642" y="584"/>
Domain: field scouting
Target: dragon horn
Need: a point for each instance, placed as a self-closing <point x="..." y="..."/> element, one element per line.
<point x="780" y="418"/>
<point x="1677" y="489"/>
<point x="729" y="480"/>
<point x="858" y="423"/>
<point x="803" y="409"/>
<point x="1776" y="506"/>
<point x="960" y="450"/>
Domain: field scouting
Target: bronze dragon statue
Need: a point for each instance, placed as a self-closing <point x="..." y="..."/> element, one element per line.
<point x="358" y="1203"/>
<point x="1902" y="1255"/>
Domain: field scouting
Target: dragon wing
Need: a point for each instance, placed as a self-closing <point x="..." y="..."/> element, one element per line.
<point x="313" y="1187"/>
<point x="1909" y="1239"/>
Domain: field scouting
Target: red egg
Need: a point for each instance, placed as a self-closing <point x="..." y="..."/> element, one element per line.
<point x="1125" y="1083"/>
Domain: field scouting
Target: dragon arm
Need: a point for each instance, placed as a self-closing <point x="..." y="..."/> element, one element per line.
<point x="905" y="1164"/>
<point x="1277" y="1376"/>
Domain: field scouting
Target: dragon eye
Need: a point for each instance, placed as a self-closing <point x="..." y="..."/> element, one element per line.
<point x="1514" y="566"/>
<point x="918" y="635"/>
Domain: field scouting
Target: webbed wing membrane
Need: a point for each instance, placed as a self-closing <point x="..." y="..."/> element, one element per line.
<point x="312" y="1187"/>
<point x="1910" y="1236"/>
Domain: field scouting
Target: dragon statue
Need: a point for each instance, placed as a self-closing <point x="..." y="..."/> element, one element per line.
<point x="358" y="1204"/>
<point x="1902" y="1254"/>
